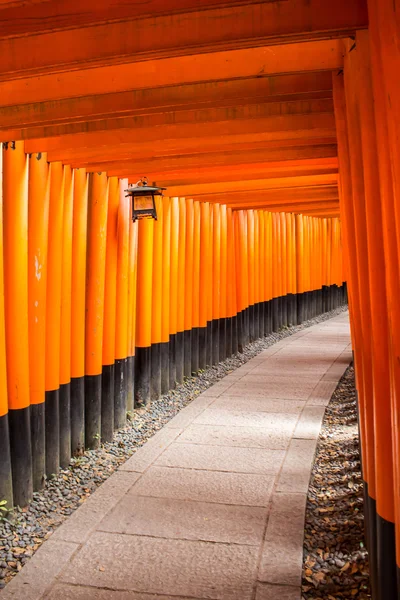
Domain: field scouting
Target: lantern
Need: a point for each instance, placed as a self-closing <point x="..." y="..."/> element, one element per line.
<point x="143" y="202"/>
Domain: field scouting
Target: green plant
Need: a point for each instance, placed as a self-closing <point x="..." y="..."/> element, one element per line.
<point x="4" y="510"/>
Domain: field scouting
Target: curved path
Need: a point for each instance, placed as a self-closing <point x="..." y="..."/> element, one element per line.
<point x="213" y="505"/>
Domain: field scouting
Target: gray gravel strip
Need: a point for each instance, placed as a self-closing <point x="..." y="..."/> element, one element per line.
<point x="335" y="559"/>
<point x="64" y="493"/>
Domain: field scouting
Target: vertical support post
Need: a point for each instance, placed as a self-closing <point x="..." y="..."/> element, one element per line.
<point x="157" y="302"/>
<point x="6" y="491"/>
<point x="121" y="308"/>
<point x="65" y="330"/>
<point x="204" y="276"/>
<point x="166" y="296"/>
<point x="173" y="313"/>
<point x="188" y="298"/>
<point x="196" y="287"/>
<point x="110" y="313"/>
<point x="53" y="317"/>
<point x="143" y="311"/>
<point x="38" y="223"/>
<point x="95" y="286"/>
<point x="15" y="215"/>
<point x="78" y="287"/>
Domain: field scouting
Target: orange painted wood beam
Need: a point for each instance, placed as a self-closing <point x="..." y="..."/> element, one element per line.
<point x="254" y="129"/>
<point x="295" y="207"/>
<point x="203" y="31"/>
<point x="274" y="196"/>
<point x="308" y="57"/>
<point x="226" y="174"/>
<point x="11" y="129"/>
<point x="279" y="158"/>
<point x="42" y="15"/>
<point x="173" y="149"/>
<point x="193" y="96"/>
<point x="253" y="185"/>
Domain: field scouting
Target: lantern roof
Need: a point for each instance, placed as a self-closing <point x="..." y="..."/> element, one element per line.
<point x="142" y="186"/>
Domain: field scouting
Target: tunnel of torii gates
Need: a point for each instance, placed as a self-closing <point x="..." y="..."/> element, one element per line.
<point x="275" y="127"/>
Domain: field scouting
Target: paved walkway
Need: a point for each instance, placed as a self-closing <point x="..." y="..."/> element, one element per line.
<point x="213" y="505"/>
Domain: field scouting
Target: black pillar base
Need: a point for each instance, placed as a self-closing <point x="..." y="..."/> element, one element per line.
<point x="164" y="351"/>
<point x="52" y="426"/>
<point x="222" y="339"/>
<point x="142" y="376"/>
<point x="92" y="411"/>
<point x="107" y="403"/>
<point x="228" y="337"/>
<point x="195" y="349"/>
<point x="240" y="333"/>
<point x="235" y="337"/>
<point x="65" y="424"/>
<point x="172" y="361"/>
<point x="275" y="314"/>
<point x="202" y="348"/>
<point x="6" y="491"/>
<point x="180" y="356"/>
<point x="38" y="440"/>
<point x="187" y="353"/>
<point x="371" y="538"/>
<point x="155" y="382"/>
<point x="77" y="415"/>
<point x="21" y="455"/>
<point x="251" y="323"/>
<point x="215" y="341"/>
<point x="130" y="385"/>
<point x="386" y="557"/>
<point x="120" y="393"/>
<point x="246" y="326"/>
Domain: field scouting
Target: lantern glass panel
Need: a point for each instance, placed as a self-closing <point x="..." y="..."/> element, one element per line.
<point x="143" y="202"/>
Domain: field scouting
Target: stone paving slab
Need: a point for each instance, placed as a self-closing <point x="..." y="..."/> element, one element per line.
<point x="231" y="460"/>
<point x="243" y="437"/>
<point x="212" y="506"/>
<point x="258" y="404"/>
<point x="245" y="489"/>
<point x="186" y="520"/>
<point x="161" y="566"/>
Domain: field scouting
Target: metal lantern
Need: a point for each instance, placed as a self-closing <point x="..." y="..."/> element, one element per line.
<point x="143" y="199"/>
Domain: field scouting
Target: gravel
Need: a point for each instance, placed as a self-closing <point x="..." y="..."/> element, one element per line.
<point x="63" y="493"/>
<point x="335" y="558"/>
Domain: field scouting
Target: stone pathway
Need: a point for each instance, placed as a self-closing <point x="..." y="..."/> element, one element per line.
<point x="213" y="505"/>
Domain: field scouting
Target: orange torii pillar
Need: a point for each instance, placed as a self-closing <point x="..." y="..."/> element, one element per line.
<point x="204" y="277"/>
<point x="173" y="289"/>
<point x="231" y="323"/>
<point x="132" y="295"/>
<point x="166" y="295"/>
<point x="223" y="351"/>
<point x="53" y="317"/>
<point x="216" y="287"/>
<point x="196" y="287"/>
<point x="383" y="59"/>
<point x="383" y="512"/>
<point x="143" y="311"/>
<point x="188" y="298"/>
<point x="6" y="491"/>
<point x="157" y="301"/>
<point x="109" y="316"/>
<point x="65" y="322"/>
<point x="95" y="286"/>
<point x="38" y="221"/>
<point x="181" y="286"/>
<point x="78" y="286"/>
<point x="121" y="309"/>
<point x="15" y="215"/>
